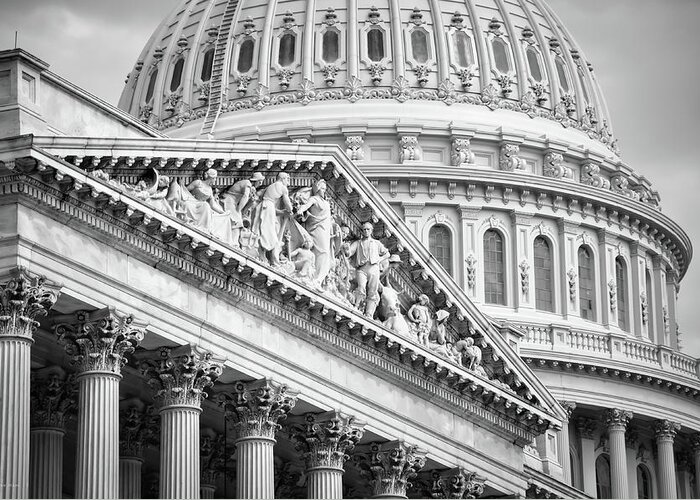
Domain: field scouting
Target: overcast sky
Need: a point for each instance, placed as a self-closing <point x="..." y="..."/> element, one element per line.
<point x="643" y="51"/>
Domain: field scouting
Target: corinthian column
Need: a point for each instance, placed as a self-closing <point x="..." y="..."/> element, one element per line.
<point x="53" y="400"/>
<point x="180" y="375"/>
<point x="22" y="300"/>
<point x="324" y="440"/>
<point x="212" y="460"/>
<point x="254" y="408"/>
<point x="138" y="429"/>
<point x="389" y="466"/>
<point x="695" y="449"/>
<point x="97" y="342"/>
<point x="617" y="421"/>
<point x="456" y="483"/>
<point x="665" y="434"/>
<point x="564" y="443"/>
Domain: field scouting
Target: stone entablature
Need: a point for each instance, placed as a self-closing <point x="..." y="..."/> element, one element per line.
<point x="278" y="287"/>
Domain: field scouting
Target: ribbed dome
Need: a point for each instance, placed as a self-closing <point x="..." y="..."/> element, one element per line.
<point x="213" y="58"/>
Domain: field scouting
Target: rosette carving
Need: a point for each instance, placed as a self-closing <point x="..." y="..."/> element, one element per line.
<point x="53" y="397"/>
<point x="180" y="375"/>
<point x="390" y="466"/>
<point x="22" y="299"/>
<point x="666" y="429"/>
<point x="99" y="340"/>
<point x="254" y="408"/>
<point x="138" y="429"/>
<point x="458" y="483"/>
<point x="325" y="438"/>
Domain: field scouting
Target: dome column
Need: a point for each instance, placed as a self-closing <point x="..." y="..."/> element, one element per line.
<point x="665" y="431"/>
<point x="637" y="266"/>
<point x="670" y="315"/>
<point x="180" y="376"/>
<point x="97" y="343"/>
<point x="254" y="409"/>
<point x="564" y="443"/>
<point x="586" y="430"/>
<point x="53" y="400"/>
<point x="659" y="303"/>
<point x="389" y="466"/>
<point x="607" y="308"/>
<point x="324" y="440"/>
<point x="138" y="429"/>
<point x="568" y="255"/>
<point x="617" y="421"/>
<point x="22" y="300"/>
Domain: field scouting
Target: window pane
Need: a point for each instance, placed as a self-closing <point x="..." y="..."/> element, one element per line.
<point x="463" y="47"/>
<point x="151" y="85"/>
<point x="602" y="477"/>
<point x="207" y="65"/>
<point x="621" y="284"/>
<point x="177" y="75"/>
<point x="287" y="47"/>
<point x="533" y="62"/>
<point x="500" y="54"/>
<point x="329" y="48"/>
<point x="583" y="87"/>
<point x="440" y="245"/>
<point x="544" y="297"/>
<point x="586" y="284"/>
<point x="650" y="307"/>
<point x="419" y="44"/>
<point x="375" y="45"/>
<point x="245" y="56"/>
<point x="561" y="72"/>
<point x="494" y="271"/>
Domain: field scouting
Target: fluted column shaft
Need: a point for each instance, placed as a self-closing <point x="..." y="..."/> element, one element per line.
<point x="207" y="491"/>
<point x="130" y="477"/>
<point x="618" y="461"/>
<point x="46" y="463"/>
<point x="14" y="416"/>
<point x="255" y="468"/>
<point x="97" y="466"/>
<point x="179" y="452"/>
<point x="696" y="463"/>
<point x="324" y="482"/>
<point x="665" y="434"/>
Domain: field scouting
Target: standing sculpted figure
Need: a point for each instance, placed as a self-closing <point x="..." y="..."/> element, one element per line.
<point x="368" y="254"/>
<point x="318" y="222"/>
<point x="419" y="313"/>
<point x="236" y="200"/>
<point x="273" y="215"/>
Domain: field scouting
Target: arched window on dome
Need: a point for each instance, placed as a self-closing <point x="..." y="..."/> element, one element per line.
<point x="419" y="46"/>
<point x="650" y="305"/>
<point x="544" y="293"/>
<point x="150" y="89"/>
<point x="330" y="46"/>
<point x="176" y="78"/>
<point x="375" y="44"/>
<point x="287" y="49"/>
<point x="562" y="73"/>
<point x="245" y="55"/>
<point x="501" y="54"/>
<point x="494" y="268"/>
<point x="463" y="49"/>
<point x="586" y="283"/>
<point x="643" y="482"/>
<point x="533" y="63"/>
<point x="440" y="246"/>
<point x="621" y="284"/>
<point x="207" y="64"/>
<point x="602" y="477"/>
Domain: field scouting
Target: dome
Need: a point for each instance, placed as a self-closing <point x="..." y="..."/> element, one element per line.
<point x="438" y="64"/>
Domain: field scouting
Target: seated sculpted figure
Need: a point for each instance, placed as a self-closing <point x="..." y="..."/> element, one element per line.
<point x="304" y="260"/>
<point x="158" y="195"/>
<point x="201" y="208"/>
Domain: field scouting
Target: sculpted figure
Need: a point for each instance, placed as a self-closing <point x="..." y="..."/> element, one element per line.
<point x="237" y="200"/>
<point x="419" y="314"/>
<point x="316" y="217"/>
<point x="304" y="260"/>
<point x="396" y="322"/>
<point x="201" y="208"/>
<point x="470" y="352"/>
<point x="273" y="216"/>
<point x="368" y="253"/>
<point x="440" y="330"/>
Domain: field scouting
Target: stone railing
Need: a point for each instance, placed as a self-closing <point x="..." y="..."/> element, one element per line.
<point x="577" y="344"/>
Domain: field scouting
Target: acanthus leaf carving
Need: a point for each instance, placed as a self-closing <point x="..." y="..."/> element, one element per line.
<point x="554" y="166"/>
<point x="355" y="147"/>
<point x="461" y="152"/>
<point x="23" y="299"/>
<point x="54" y="397"/>
<point x="390" y="466"/>
<point x="509" y="159"/>
<point x="590" y="175"/>
<point x="410" y="150"/>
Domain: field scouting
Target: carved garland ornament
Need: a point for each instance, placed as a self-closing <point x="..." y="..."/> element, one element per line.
<point x="612" y="293"/>
<point x="471" y="271"/>
<point x="645" y="307"/>
<point x="524" y="267"/>
<point x="571" y="274"/>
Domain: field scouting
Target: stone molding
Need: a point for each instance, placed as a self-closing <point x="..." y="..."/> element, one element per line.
<point x="23" y="298"/>
<point x="98" y="341"/>
<point x="389" y="467"/>
<point x="138" y="428"/>
<point x="616" y="419"/>
<point x="54" y="395"/>
<point x="665" y="430"/>
<point x="324" y="439"/>
<point x="255" y="408"/>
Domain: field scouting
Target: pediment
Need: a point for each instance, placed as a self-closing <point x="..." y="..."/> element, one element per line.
<point x="121" y="176"/>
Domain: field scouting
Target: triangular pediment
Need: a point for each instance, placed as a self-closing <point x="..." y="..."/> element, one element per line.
<point x="121" y="176"/>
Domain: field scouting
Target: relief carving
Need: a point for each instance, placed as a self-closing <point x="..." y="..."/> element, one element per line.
<point x="461" y="152"/>
<point x="554" y="167"/>
<point x="509" y="159"/>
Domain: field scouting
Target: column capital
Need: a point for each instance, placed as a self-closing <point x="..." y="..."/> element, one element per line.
<point x="666" y="430"/>
<point x="53" y="397"/>
<point x="179" y="375"/>
<point x="325" y="438"/>
<point x="98" y="340"/>
<point x="695" y="443"/>
<point x="389" y="466"/>
<point x="456" y="483"/>
<point x="23" y="298"/>
<point x="138" y="429"/>
<point x="569" y="407"/>
<point x="616" y="419"/>
<point x="254" y="408"/>
<point x="586" y="427"/>
<point x="212" y="457"/>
